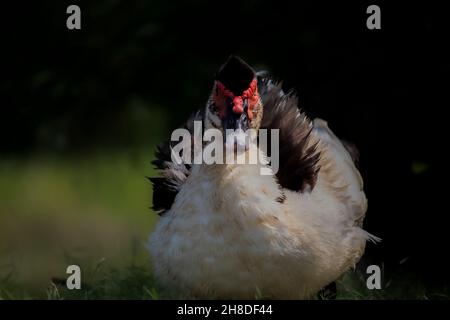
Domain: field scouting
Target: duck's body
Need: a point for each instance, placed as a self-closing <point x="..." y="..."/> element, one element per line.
<point x="234" y="233"/>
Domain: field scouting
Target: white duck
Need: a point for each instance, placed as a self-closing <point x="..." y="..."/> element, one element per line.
<point x="226" y="231"/>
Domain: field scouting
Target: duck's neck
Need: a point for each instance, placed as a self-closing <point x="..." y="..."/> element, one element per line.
<point x="242" y="183"/>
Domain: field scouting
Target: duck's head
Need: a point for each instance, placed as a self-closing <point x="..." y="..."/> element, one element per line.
<point x="234" y="102"/>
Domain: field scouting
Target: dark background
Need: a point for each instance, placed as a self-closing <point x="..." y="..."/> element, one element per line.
<point x="72" y="92"/>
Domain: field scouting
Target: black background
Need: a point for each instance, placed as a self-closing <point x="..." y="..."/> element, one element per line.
<point x="386" y="90"/>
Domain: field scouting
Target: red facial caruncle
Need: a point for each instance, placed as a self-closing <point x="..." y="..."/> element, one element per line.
<point x="222" y="94"/>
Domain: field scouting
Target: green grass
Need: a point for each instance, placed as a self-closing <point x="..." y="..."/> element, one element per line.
<point x="137" y="283"/>
<point x="61" y="210"/>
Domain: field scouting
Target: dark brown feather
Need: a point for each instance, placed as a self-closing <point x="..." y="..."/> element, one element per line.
<point x="298" y="159"/>
<point x="166" y="187"/>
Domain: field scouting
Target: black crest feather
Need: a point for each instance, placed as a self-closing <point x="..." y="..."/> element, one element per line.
<point x="236" y="75"/>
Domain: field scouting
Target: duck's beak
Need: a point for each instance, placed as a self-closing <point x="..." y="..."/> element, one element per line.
<point x="236" y="121"/>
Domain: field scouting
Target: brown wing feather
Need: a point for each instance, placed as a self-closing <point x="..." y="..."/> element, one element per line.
<point x="298" y="156"/>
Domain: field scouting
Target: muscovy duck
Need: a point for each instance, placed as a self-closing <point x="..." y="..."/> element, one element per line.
<point x="227" y="231"/>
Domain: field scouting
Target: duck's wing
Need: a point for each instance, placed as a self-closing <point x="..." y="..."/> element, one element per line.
<point x="340" y="172"/>
<point x="298" y="154"/>
<point x="310" y="153"/>
<point x="173" y="175"/>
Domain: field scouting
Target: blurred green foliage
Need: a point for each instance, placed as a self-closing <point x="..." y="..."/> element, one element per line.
<point x="59" y="210"/>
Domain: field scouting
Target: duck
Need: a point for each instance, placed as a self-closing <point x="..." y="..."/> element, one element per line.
<point x="226" y="231"/>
